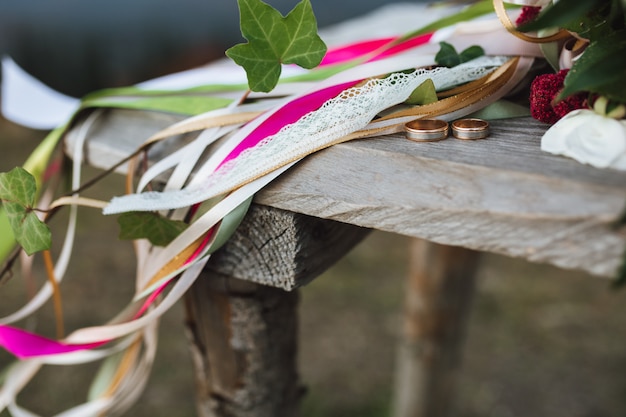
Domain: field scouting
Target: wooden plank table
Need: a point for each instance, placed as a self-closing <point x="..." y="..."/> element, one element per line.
<point x="457" y="198"/>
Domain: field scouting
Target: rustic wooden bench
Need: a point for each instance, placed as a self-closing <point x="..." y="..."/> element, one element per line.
<point x="457" y="198"/>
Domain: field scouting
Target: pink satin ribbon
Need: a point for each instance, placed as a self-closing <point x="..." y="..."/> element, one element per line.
<point x="25" y="345"/>
<point x="288" y="114"/>
<point x="357" y="50"/>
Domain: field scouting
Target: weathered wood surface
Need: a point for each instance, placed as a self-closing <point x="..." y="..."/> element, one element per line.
<point x="117" y="133"/>
<point x="243" y="340"/>
<point x="438" y="294"/>
<point x="283" y="249"/>
<point x="501" y="195"/>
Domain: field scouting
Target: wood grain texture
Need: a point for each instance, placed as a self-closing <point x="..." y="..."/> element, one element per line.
<point x="501" y="195"/>
<point x="244" y="347"/>
<point x="283" y="249"/>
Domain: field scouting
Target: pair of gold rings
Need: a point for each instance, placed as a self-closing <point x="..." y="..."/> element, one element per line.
<point x="432" y="130"/>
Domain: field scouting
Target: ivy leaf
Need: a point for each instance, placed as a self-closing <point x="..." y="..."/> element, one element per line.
<point x="449" y="57"/>
<point x="147" y="225"/>
<point x="425" y="93"/>
<point x="274" y="40"/>
<point x="17" y="193"/>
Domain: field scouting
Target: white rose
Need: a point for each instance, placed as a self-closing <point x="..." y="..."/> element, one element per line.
<point x="590" y="138"/>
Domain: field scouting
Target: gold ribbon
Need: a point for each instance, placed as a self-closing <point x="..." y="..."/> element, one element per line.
<point x="461" y="97"/>
<point x="176" y="262"/>
<point x="498" y="5"/>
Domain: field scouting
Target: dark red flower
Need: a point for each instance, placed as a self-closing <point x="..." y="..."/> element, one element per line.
<point x="529" y="13"/>
<point x="575" y="102"/>
<point x="543" y="91"/>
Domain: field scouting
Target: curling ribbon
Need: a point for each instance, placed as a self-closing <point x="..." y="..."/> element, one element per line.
<point x="24" y="344"/>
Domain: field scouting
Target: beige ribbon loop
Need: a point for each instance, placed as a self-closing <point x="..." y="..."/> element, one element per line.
<point x="191" y="125"/>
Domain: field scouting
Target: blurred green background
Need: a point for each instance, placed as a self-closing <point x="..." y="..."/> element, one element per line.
<point x="540" y="341"/>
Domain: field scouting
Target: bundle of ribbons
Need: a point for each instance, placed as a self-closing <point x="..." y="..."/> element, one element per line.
<point x="343" y="99"/>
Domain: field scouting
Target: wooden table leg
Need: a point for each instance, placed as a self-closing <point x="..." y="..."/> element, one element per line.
<point x="243" y="330"/>
<point x="244" y="349"/>
<point x="438" y="294"/>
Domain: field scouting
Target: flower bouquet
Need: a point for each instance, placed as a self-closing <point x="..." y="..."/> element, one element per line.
<point x="585" y="99"/>
<point x="447" y="69"/>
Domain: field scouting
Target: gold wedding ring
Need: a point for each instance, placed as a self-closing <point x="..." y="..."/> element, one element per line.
<point x="426" y="130"/>
<point x="470" y="129"/>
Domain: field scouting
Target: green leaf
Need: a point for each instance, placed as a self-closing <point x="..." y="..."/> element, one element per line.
<point x="425" y="93"/>
<point x="590" y="19"/>
<point x="449" y="57"/>
<point x="600" y="69"/>
<point x="563" y="13"/>
<point x="35" y="164"/>
<point x="17" y="193"/>
<point x="7" y="242"/>
<point x="274" y="40"/>
<point x="147" y="225"/>
<point x="470" y="53"/>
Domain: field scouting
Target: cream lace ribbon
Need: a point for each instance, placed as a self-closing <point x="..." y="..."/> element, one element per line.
<point x="349" y="112"/>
